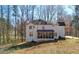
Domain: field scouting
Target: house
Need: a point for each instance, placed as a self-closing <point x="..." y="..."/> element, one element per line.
<point x="40" y="30"/>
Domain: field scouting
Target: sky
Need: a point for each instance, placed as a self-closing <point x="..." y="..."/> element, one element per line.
<point x="68" y="8"/>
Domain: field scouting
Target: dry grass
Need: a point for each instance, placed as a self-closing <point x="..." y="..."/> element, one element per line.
<point x="68" y="46"/>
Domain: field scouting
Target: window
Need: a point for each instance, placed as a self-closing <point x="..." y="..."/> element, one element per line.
<point x="30" y="27"/>
<point x="45" y="34"/>
<point x="33" y="26"/>
<point x="30" y="34"/>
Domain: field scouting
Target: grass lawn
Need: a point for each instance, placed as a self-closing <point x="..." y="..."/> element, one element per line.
<point x="68" y="46"/>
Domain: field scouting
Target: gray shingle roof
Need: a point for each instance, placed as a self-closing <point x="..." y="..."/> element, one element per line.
<point x="39" y="22"/>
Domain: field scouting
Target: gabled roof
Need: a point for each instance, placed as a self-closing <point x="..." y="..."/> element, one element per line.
<point x="45" y="30"/>
<point x="61" y="23"/>
<point x="43" y="22"/>
<point x="39" y="22"/>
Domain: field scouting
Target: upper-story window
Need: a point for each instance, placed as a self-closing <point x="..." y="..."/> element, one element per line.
<point x="30" y="27"/>
<point x="33" y="26"/>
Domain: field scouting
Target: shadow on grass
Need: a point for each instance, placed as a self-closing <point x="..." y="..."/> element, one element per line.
<point x="30" y="44"/>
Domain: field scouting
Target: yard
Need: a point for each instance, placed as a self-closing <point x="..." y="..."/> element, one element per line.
<point x="70" y="45"/>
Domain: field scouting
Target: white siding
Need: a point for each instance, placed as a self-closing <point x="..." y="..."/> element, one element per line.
<point x="34" y="31"/>
<point x="47" y="27"/>
<point x="58" y="29"/>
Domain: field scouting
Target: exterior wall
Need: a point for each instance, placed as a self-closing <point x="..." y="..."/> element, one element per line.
<point x="49" y="27"/>
<point x="34" y="31"/>
<point x="57" y="29"/>
<point x="46" y="27"/>
<point x="61" y="31"/>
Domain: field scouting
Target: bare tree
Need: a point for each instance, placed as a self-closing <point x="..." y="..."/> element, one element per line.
<point x="33" y="7"/>
<point x="15" y="14"/>
<point x="22" y="8"/>
<point x="8" y="23"/>
<point x="76" y="20"/>
<point x="27" y="12"/>
<point x="1" y="23"/>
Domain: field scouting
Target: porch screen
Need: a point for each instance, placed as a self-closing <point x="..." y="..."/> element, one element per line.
<point x="45" y="33"/>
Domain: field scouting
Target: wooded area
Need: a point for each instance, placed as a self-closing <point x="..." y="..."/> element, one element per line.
<point x="13" y="20"/>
